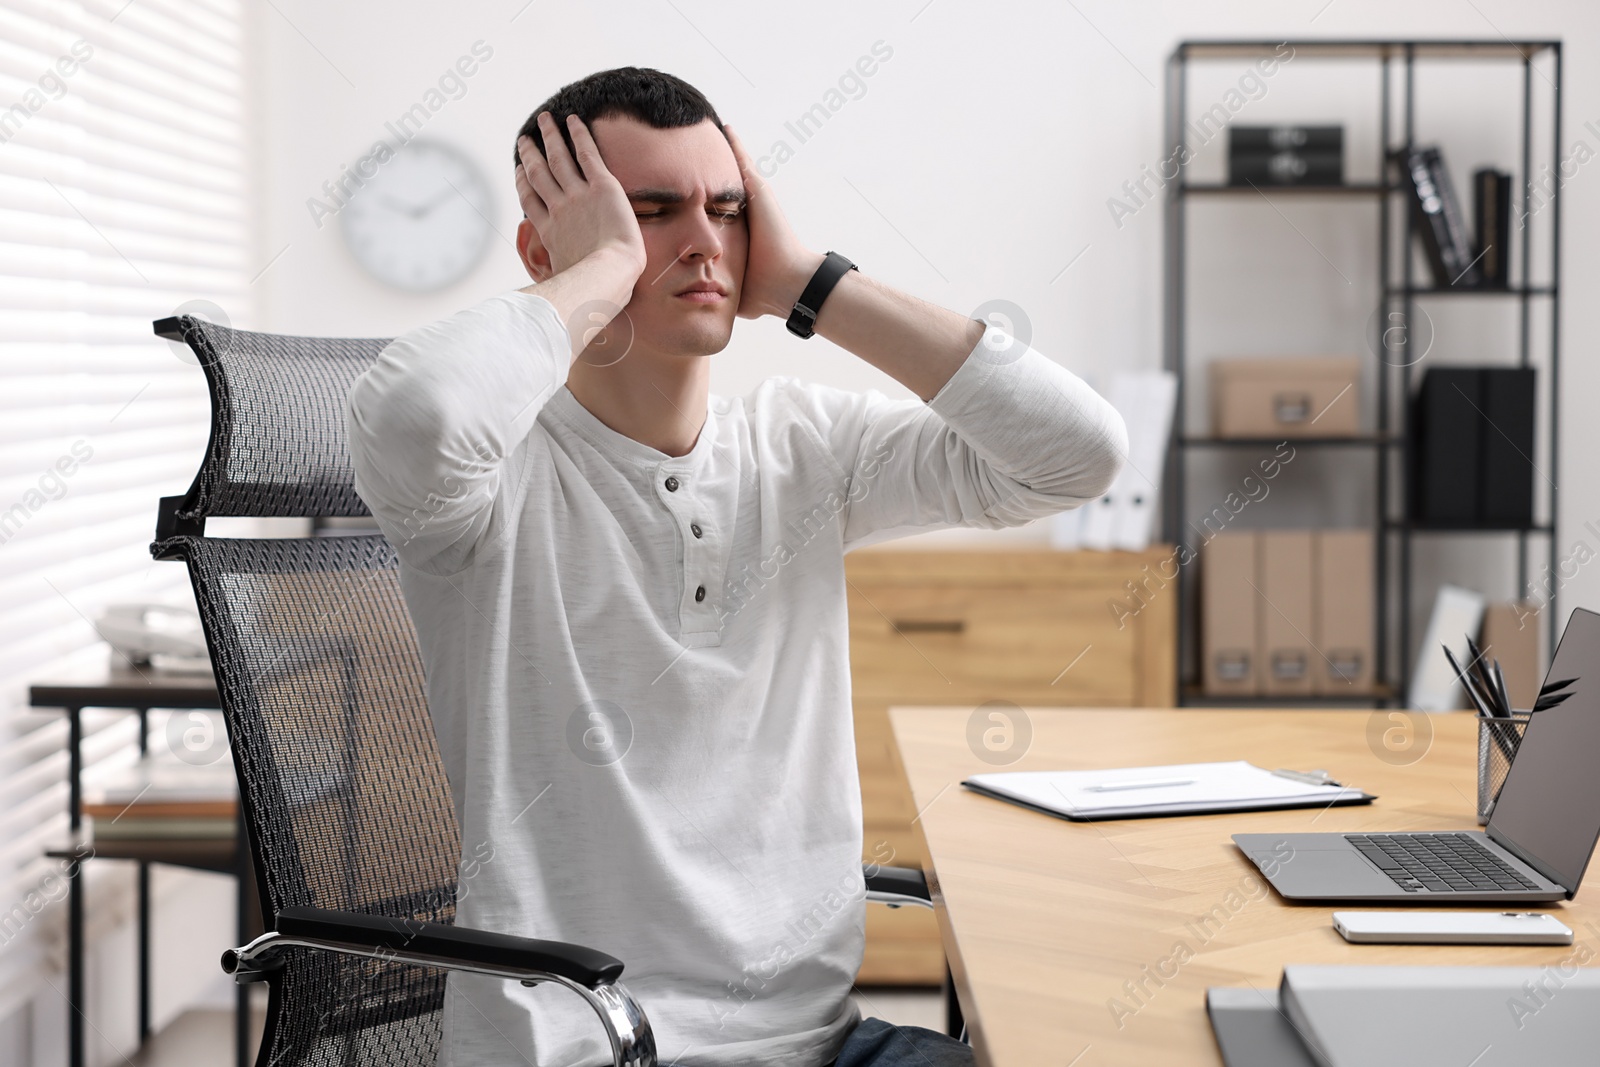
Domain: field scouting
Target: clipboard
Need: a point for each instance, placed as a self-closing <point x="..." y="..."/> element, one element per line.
<point x="1205" y="789"/>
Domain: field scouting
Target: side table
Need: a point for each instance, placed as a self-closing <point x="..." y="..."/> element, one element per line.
<point x="140" y="690"/>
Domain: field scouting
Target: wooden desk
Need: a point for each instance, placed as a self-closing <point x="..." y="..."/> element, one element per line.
<point x="1049" y="924"/>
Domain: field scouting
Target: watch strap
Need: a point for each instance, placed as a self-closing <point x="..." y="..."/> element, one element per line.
<point x="803" y="319"/>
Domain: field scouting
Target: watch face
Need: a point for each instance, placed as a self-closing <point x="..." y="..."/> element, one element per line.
<point x="422" y="221"/>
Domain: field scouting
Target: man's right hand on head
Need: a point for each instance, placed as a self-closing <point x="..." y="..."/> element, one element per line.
<point x="582" y="217"/>
<point x="577" y="207"/>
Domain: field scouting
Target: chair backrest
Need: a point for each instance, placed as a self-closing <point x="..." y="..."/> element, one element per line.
<point x="344" y="793"/>
<point x="277" y="421"/>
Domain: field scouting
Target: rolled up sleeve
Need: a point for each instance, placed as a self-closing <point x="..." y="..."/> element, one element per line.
<point x="1012" y="437"/>
<point x="433" y="421"/>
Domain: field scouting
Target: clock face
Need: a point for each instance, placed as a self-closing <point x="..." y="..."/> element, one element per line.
<point x="422" y="221"/>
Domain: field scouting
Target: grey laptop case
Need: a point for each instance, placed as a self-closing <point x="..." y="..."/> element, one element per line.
<point x="1251" y="1031"/>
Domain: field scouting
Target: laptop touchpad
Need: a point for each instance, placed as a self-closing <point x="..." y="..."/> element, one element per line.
<point x="1323" y="874"/>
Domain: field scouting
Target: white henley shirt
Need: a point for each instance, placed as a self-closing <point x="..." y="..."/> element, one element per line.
<point x="638" y="664"/>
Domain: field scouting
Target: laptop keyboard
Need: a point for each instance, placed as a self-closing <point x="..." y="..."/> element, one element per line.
<point x="1438" y="863"/>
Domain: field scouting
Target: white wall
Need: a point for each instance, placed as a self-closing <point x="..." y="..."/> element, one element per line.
<point x="977" y="164"/>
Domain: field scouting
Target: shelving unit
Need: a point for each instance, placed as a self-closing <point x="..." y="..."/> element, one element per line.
<point x="1398" y="292"/>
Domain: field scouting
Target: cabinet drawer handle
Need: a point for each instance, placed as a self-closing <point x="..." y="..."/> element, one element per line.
<point x="928" y="626"/>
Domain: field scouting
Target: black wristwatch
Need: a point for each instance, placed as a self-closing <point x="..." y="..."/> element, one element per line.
<point x="803" y="319"/>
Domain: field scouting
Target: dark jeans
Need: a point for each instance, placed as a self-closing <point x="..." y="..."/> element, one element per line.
<point x="875" y="1043"/>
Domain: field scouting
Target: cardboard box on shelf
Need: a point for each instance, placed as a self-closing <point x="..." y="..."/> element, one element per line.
<point x="1229" y="611"/>
<point x="1343" y="596"/>
<point x="1511" y="638"/>
<point x="1287" y="613"/>
<point x="1286" y="396"/>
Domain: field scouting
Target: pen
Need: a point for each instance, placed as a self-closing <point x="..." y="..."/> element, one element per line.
<point x="1318" y="777"/>
<point x="1148" y="783"/>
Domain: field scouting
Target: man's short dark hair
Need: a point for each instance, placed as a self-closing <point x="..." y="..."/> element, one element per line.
<point x="656" y="99"/>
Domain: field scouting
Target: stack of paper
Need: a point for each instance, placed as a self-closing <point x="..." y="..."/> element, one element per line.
<point x="1172" y="789"/>
<point x="1351" y="1016"/>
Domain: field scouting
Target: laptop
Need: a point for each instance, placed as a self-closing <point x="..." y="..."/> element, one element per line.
<point x="1539" y="838"/>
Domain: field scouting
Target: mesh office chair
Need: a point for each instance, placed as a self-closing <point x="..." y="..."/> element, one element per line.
<point x="351" y="827"/>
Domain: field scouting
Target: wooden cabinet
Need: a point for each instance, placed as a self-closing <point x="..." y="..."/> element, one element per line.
<point x="965" y="627"/>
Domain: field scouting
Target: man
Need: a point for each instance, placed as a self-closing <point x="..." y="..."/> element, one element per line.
<point x="630" y="594"/>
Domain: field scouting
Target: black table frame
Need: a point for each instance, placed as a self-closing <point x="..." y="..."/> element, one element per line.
<point x="140" y="693"/>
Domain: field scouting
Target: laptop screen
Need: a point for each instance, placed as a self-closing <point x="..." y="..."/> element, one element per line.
<point x="1549" y="808"/>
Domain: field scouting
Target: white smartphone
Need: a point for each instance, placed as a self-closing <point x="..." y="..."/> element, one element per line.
<point x="1452" y="928"/>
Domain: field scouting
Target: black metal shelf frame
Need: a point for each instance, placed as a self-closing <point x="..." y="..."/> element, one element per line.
<point x="1397" y="290"/>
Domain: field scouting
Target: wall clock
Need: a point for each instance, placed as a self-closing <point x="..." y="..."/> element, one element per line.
<point x="422" y="221"/>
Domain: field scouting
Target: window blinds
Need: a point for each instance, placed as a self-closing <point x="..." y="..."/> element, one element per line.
<point x="122" y="199"/>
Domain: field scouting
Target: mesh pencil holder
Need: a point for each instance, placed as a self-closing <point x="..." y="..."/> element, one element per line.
<point x="1497" y="746"/>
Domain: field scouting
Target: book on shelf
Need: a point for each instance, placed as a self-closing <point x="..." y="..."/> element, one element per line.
<point x="1491" y="216"/>
<point x="160" y="797"/>
<point x="133" y="827"/>
<point x="165" y="809"/>
<point x="1506" y="446"/>
<point x="1439" y="220"/>
<point x="1445" y="428"/>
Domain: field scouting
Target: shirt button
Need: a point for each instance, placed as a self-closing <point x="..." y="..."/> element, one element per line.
<point x="700" y="594"/>
<point x="694" y="528"/>
<point x="672" y="484"/>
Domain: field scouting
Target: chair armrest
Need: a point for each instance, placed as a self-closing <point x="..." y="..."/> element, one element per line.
<point x="896" y="886"/>
<point x="588" y="972"/>
<point x="409" y="939"/>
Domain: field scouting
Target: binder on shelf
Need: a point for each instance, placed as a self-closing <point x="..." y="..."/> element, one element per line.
<point x="1229" y="610"/>
<point x="1145" y="399"/>
<point x="1094" y="520"/>
<point x="1446" y="429"/>
<point x="1098" y="519"/>
<point x="1442" y="226"/>
<point x="1343" y="598"/>
<point x="1066" y="529"/>
<point x="1286" y="613"/>
<point x="1472" y="454"/>
<point x="1491" y="215"/>
<point x="1506" y="446"/>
